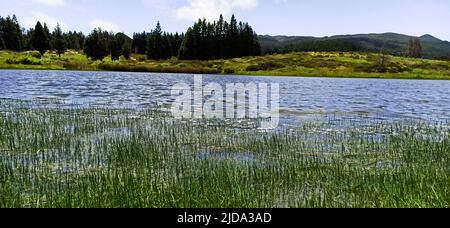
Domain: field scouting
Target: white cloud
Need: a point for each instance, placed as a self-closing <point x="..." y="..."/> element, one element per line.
<point x="106" y="25"/>
<point x="50" y="2"/>
<point x="51" y="21"/>
<point x="161" y="4"/>
<point x="211" y="9"/>
<point x="192" y="10"/>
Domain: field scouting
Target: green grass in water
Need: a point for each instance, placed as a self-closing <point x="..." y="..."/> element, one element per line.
<point x="95" y="157"/>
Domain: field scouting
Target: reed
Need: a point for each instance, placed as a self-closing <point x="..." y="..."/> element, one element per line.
<point x="100" y="157"/>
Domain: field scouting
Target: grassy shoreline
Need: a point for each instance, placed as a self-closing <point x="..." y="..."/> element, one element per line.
<point x="302" y="64"/>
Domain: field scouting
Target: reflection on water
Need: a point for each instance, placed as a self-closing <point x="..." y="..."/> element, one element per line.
<point x="301" y="98"/>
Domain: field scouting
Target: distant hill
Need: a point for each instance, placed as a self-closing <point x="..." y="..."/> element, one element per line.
<point x="390" y="42"/>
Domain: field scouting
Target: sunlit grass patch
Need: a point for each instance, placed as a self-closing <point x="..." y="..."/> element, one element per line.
<point x="317" y="64"/>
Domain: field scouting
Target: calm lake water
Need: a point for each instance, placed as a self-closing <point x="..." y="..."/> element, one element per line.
<point x="300" y="97"/>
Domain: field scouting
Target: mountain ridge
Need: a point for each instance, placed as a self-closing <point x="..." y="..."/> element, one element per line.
<point x="393" y="43"/>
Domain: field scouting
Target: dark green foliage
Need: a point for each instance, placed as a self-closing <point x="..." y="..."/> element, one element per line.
<point x="58" y="41"/>
<point x="154" y="45"/>
<point x="10" y="34"/>
<point x="161" y="45"/>
<point x="392" y="43"/>
<point x="139" y="45"/>
<point x="232" y="39"/>
<point x="12" y="37"/>
<point x="26" y="39"/>
<point x="323" y="46"/>
<point x="40" y="40"/>
<point x="75" y="40"/>
<point x="120" y="44"/>
<point x="126" y="50"/>
<point x="219" y="40"/>
<point x="175" y="43"/>
<point x="187" y="46"/>
<point x="219" y="36"/>
<point x="248" y="41"/>
<point x="444" y="58"/>
<point x="97" y="44"/>
<point x="46" y="30"/>
<point x="166" y="47"/>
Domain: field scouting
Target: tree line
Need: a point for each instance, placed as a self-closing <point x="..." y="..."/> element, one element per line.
<point x="219" y="40"/>
<point x="157" y="44"/>
<point x="204" y="40"/>
<point x="13" y="37"/>
<point x="320" y="46"/>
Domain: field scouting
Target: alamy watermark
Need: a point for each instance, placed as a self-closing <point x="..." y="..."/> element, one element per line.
<point x="233" y="101"/>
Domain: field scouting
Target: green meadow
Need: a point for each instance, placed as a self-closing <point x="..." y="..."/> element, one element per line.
<point x="310" y="64"/>
<point x="99" y="157"/>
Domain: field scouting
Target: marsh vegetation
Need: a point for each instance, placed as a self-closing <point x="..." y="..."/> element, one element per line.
<point x="103" y="157"/>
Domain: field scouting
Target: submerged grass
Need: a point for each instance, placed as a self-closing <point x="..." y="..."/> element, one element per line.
<point x="98" y="157"/>
<point x="312" y="64"/>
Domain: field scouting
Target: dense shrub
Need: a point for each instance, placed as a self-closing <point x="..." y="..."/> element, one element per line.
<point x="25" y="60"/>
<point x="229" y="71"/>
<point x="35" y="54"/>
<point x="254" y="67"/>
<point x="265" y="66"/>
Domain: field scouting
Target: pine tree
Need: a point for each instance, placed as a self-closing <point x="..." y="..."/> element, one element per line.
<point x="10" y="34"/>
<point x="78" y="40"/>
<point x="26" y="39"/>
<point x="219" y="37"/>
<point x="74" y="40"/>
<point x="232" y="39"/>
<point x="120" y="44"/>
<point x="126" y="50"/>
<point x="97" y="44"/>
<point x="248" y="41"/>
<point x="59" y="42"/>
<point x="49" y="35"/>
<point x="187" y="46"/>
<point x="2" y="40"/>
<point x="139" y="45"/>
<point x="116" y="47"/>
<point x="155" y="43"/>
<point x="219" y="40"/>
<point x="40" y="40"/>
<point x="176" y="41"/>
<point x="166" y="46"/>
<point x="70" y="40"/>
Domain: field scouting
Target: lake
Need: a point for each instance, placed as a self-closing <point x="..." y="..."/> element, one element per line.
<point x="300" y="97"/>
<point x="366" y="150"/>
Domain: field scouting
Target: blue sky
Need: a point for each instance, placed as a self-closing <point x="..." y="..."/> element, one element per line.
<point x="274" y="17"/>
